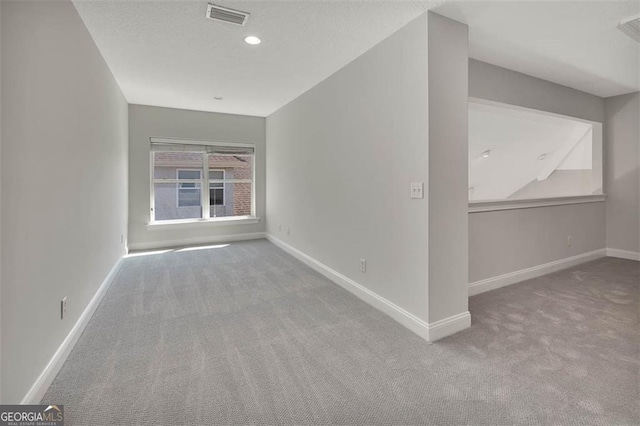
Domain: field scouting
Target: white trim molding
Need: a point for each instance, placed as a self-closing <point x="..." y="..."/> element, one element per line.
<point x="185" y="223"/>
<point x="199" y="142"/>
<point x="533" y="272"/>
<point x="493" y="205"/>
<point x="428" y="331"/>
<point x="624" y="254"/>
<point x="448" y="326"/>
<point x="151" y="245"/>
<point x="42" y="383"/>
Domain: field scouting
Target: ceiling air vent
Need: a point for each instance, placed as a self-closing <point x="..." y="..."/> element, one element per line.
<point x="224" y="14"/>
<point x="631" y="27"/>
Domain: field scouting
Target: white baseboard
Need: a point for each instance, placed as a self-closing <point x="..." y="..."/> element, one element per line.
<point x="534" y="272"/>
<point x="42" y="383"/>
<point x="430" y="332"/>
<point x="448" y="326"/>
<point x="623" y="254"/>
<point x="152" y="245"/>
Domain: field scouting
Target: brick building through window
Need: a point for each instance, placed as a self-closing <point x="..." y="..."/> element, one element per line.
<point x="178" y="182"/>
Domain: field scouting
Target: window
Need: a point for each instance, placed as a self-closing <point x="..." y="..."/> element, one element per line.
<point x="216" y="189"/>
<point x="524" y="154"/>
<point x="181" y="172"/>
<point x="189" y="192"/>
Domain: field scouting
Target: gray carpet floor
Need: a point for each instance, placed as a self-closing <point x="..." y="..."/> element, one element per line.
<point x="246" y="334"/>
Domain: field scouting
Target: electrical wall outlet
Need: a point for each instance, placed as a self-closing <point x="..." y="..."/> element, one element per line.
<point x="121" y="238"/>
<point x="279" y="228"/>
<point x="363" y="266"/>
<point x="569" y="241"/>
<point x="288" y="230"/>
<point x="63" y="308"/>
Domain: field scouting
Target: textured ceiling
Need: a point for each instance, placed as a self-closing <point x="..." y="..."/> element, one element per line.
<point x="165" y="53"/>
<point x="573" y="43"/>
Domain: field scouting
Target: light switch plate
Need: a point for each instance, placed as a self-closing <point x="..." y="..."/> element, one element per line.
<point x="416" y="190"/>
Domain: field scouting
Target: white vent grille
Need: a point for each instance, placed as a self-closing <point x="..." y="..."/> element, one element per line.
<point x="631" y="27"/>
<point x="224" y="14"/>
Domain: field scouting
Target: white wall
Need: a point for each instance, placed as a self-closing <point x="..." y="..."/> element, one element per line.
<point x="622" y="179"/>
<point x="490" y="82"/>
<point x="510" y="240"/>
<point x="340" y="159"/>
<point x="561" y="183"/>
<point x="1" y="205"/>
<point x="64" y="181"/>
<point x="146" y="122"/>
<point x="448" y="168"/>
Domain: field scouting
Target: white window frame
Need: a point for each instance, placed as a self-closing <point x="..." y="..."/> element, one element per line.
<point x="204" y="199"/>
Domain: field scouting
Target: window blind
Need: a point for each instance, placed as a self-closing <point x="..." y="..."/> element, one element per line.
<point x="216" y="148"/>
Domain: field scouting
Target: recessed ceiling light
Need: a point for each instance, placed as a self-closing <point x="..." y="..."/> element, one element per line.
<point x="542" y="156"/>
<point x="486" y="154"/>
<point x="252" y="40"/>
<point x="218" y="98"/>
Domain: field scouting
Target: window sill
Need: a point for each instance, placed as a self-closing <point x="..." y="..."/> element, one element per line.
<point x="238" y="220"/>
<point x="489" y="206"/>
